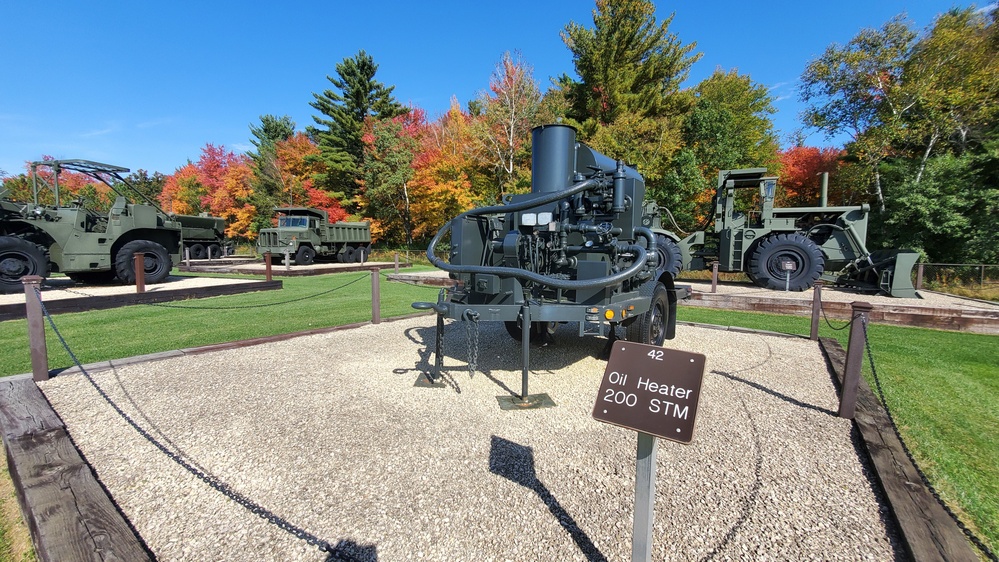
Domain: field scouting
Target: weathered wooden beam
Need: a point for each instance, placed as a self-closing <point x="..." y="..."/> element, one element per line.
<point x="70" y="516"/>
<point x="929" y="533"/>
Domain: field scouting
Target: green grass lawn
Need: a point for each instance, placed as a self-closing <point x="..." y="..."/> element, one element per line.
<point x="941" y="386"/>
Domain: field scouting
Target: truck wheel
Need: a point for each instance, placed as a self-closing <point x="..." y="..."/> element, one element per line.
<point x="305" y="255"/>
<point x="18" y="258"/>
<point x="670" y="259"/>
<point x="156" y="265"/>
<point x="650" y="327"/>
<point x="197" y="251"/>
<point x="776" y="252"/>
<point x="214" y="251"/>
<point x="542" y="333"/>
<point x="348" y="254"/>
<point x="361" y="254"/>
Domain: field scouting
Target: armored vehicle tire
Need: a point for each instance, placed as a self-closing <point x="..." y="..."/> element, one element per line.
<point x="156" y="265"/>
<point x="650" y="327"/>
<point x="18" y="258"/>
<point x="361" y="254"/>
<point x="348" y="255"/>
<point x="305" y="255"/>
<point x="768" y="259"/>
<point x="93" y="277"/>
<point x="214" y="251"/>
<point x="670" y="259"/>
<point x="541" y="332"/>
<point x="197" y="251"/>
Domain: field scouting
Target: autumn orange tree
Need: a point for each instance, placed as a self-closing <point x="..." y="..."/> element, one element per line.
<point x="296" y="167"/>
<point x="218" y="183"/>
<point x="800" y="181"/>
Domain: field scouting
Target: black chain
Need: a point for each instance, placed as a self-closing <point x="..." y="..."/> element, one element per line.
<point x="848" y="324"/>
<point x="472" y="332"/>
<point x="202" y="475"/>
<point x="237" y="307"/>
<point x="926" y="482"/>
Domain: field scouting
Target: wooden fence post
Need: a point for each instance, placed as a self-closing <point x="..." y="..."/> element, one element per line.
<point x="714" y="277"/>
<point x="919" y="277"/>
<point x="854" y="360"/>
<point x="267" y="265"/>
<point x="397" y="263"/>
<point x="139" y="265"/>
<point x="36" y="328"/>
<point x="376" y="298"/>
<point x="816" y="310"/>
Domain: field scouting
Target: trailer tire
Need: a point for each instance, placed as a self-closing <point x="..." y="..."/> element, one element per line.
<point x="156" y="265"/>
<point x="18" y="258"/>
<point x="197" y="251"/>
<point x="767" y="259"/>
<point x="670" y="258"/>
<point x="650" y="327"/>
<point x="542" y="333"/>
<point x="305" y="255"/>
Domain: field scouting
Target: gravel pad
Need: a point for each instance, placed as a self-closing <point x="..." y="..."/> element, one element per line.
<point x="329" y="433"/>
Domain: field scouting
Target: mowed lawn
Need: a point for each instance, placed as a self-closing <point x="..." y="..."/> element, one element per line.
<point x="941" y="387"/>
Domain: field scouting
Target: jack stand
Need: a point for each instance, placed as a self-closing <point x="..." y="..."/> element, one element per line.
<point x="525" y="401"/>
<point x="611" y="338"/>
<point x="434" y="379"/>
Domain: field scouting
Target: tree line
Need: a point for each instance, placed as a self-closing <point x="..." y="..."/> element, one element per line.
<point x="919" y="109"/>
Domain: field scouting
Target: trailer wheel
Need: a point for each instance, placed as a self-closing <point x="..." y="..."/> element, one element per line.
<point x="542" y="333"/>
<point x="197" y="251"/>
<point x="650" y="327"/>
<point x="156" y="263"/>
<point x="670" y="259"/>
<point x="361" y="254"/>
<point x="18" y="258"/>
<point x="305" y="255"/>
<point x="775" y="253"/>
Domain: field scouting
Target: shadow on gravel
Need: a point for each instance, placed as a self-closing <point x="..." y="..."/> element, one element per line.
<point x="492" y="350"/>
<point x="515" y="462"/>
<point x="776" y="394"/>
<point x="350" y="551"/>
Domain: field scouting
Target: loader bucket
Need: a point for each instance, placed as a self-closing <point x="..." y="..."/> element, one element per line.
<point x="885" y="271"/>
<point x="899" y="273"/>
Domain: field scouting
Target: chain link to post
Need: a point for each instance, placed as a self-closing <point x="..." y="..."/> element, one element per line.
<point x="209" y="479"/>
<point x="926" y="482"/>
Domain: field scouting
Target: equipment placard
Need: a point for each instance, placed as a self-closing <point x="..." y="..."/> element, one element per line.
<point x="652" y="390"/>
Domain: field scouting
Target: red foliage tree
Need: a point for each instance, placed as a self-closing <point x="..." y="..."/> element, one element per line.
<point x="801" y="167"/>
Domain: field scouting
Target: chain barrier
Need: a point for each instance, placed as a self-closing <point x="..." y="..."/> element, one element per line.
<point x="209" y="479"/>
<point x="471" y="319"/>
<point x="237" y="307"/>
<point x="926" y="482"/>
<point x="828" y="323"/>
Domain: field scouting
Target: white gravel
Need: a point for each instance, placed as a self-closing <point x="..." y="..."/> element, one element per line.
<point x="329" y="432"/>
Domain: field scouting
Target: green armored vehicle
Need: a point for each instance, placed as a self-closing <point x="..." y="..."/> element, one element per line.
<point x="305" y="234"/>
<point x="68" y="237"/>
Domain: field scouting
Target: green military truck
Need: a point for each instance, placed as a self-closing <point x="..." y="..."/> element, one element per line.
<point x="54" y="235"/>
<point x="305" y="234"/>
<point x="204" y="236"/>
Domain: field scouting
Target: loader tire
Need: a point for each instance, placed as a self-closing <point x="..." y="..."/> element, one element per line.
<point x="670" y="259"/>
<point x="18" y="258"/>
<point x="156" y="262"/>
<point x="768" y="259"/>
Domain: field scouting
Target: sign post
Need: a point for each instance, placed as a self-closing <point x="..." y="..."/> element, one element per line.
<point x="654" y="391"/>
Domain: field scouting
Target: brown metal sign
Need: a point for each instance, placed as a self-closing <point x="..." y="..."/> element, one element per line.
<point x="651" y="389"/>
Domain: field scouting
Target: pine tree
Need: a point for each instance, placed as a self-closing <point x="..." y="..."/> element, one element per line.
<point x="339" y="126"/>
<point x="268" y="186"/>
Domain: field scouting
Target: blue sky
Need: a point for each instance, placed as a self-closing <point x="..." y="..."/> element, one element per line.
<point x="146" y="85"/>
